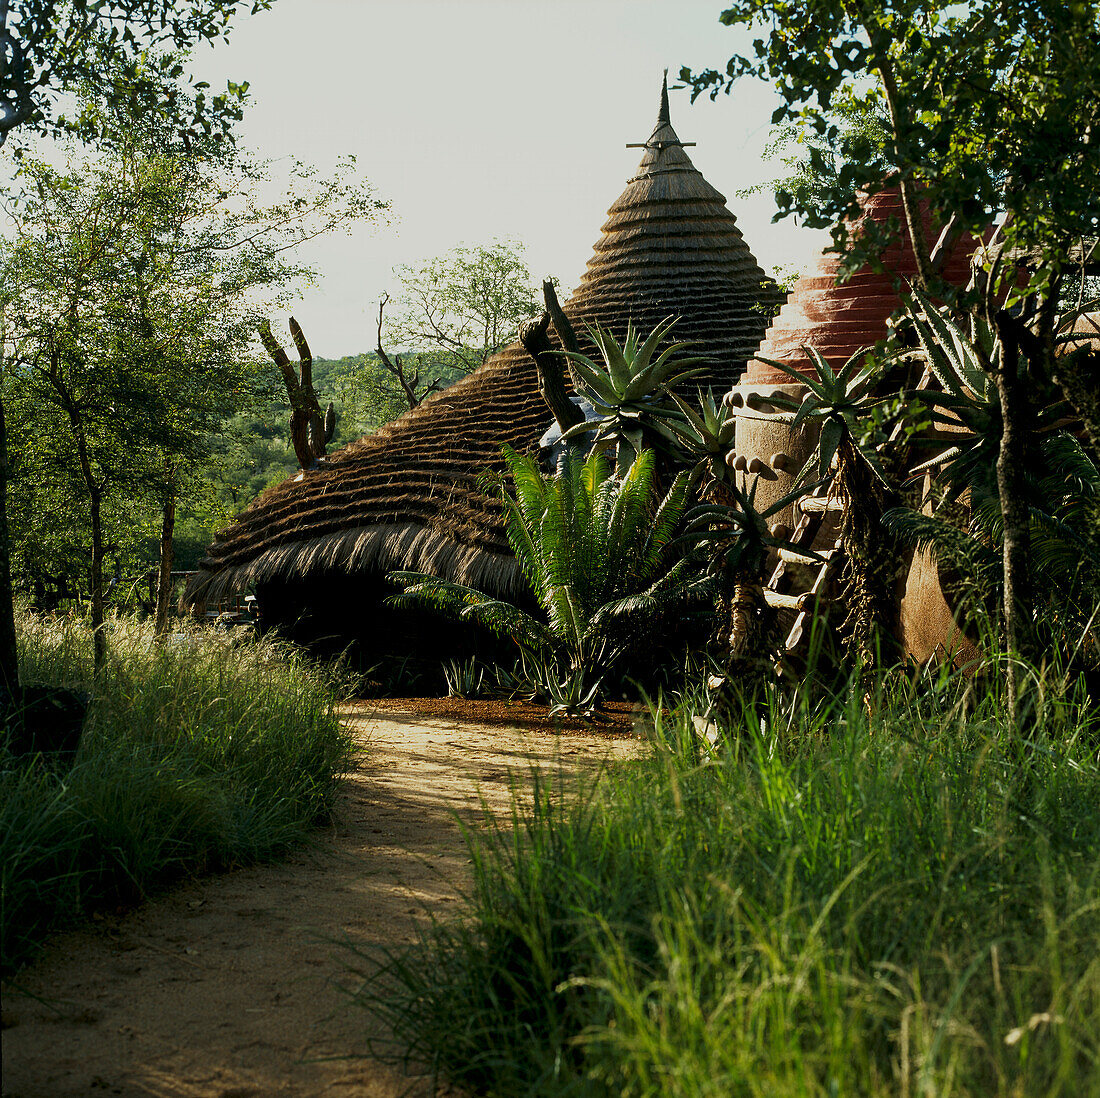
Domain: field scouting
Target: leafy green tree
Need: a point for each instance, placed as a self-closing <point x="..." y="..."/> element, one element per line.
<point x="51" y="46"/>
<point x="453" y="313"/>
<point x="130" y="287"/>
<point x="458" y="309"/>
<point x="991" y="110"/>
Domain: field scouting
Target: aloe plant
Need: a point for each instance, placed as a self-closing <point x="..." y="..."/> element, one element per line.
<point x="837" y="401"/>
<point x="965" y="364"/>
<point x="707" y="435"/>
<point x="840" y="401"/>
<point x="629" y="391"/>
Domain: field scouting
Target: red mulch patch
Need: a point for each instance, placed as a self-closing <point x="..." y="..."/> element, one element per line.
<point x="617" y="720"/>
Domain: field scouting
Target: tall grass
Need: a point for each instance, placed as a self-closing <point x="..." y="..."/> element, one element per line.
<point x="900" y="898"/>
<point x="209" y="752"/>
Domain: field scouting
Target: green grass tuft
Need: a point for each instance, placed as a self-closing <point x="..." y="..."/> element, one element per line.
<point x="834" y="904"/>
<point x="212" y="751"/>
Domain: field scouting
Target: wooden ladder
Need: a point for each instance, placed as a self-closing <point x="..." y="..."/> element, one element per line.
<point x="811" y="510"/>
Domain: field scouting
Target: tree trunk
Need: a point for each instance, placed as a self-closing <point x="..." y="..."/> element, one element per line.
<point x="99" y="636"/>
<point x="167" y="555"/>
<point x="9" y="660"/>
<point x="1011" y="461"/>
<point x="95" y="503"/>
<point x="566" y="336"/>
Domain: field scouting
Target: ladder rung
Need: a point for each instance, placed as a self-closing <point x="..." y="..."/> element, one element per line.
<point x="778" y="601"/>
<point x="810" y="504"/>
<point x="789" y="556"/>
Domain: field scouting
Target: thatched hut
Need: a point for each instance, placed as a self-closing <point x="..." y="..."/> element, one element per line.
<point x="413" y="495"/>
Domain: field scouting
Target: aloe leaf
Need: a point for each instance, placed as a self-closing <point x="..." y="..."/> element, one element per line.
<point x="822" y="366"/>
<point x="645" y="352"/>
<point x="832" y="431"/>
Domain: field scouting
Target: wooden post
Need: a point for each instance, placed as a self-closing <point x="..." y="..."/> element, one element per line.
<point x="533" y="336"/>
<point x="310" y="432"/>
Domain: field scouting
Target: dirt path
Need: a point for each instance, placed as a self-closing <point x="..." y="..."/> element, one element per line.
<point x="227" y="987"/>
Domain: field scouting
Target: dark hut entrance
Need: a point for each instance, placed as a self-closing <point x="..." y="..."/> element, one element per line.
<point x="394" y="649"/>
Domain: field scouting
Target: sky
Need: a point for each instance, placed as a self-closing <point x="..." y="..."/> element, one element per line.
<point x="484" y="119"/>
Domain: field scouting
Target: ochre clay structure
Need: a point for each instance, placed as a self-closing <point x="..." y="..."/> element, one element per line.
<point x="839" y="321"/>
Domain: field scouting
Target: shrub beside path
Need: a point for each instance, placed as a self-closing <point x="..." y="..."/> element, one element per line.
<point x="227" y="987"/>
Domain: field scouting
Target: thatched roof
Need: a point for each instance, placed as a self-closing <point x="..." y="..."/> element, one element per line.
<point x="840" y="320"/>
<point x="412" y="495"/>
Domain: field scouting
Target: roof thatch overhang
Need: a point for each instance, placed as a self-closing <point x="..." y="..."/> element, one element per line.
<point x="414" y="495"/>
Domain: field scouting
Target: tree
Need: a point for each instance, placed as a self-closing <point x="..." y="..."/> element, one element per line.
<point x="454" y="312"/>
<point x="992" y="112"/>
<point x="460" y="308"/>
<point x="130" y="287"/>
<point x="48" y="47"/>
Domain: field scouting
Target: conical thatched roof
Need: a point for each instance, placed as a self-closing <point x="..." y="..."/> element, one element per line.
<point x="412" y="495"/>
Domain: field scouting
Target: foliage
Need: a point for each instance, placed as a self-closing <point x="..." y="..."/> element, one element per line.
<point x="54" y="45"/>
<point x="705" y="435"/>
<point x="464" y="678"/>
<point x="965" y="539"/>
<point x="458" y="309"/>
<point x="810" y="179"/>
<point x="838" y="903"/>
<point x="837" y="401"/>
<point x="968" y="404"/>
<point x="372" y="393"/>
<point x="990" y="112"/>
<point x="131" y="295"/>
<point x="108" y="48"/>
<point x="735" y="531"/>
<point x="629" y="390"/>
<point x="988" y="106"/>
<point x="213" y="751"/>
<point x="599" y="556"/>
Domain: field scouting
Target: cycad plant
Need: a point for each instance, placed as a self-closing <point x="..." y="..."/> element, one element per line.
<point x="629" y="391"/>
<point x="600" y="556"/>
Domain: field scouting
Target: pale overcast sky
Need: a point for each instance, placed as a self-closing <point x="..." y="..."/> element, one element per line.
<point x="488" y="118"/>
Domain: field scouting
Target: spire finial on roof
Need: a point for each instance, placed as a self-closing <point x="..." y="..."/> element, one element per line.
<point x="663" y="136"/>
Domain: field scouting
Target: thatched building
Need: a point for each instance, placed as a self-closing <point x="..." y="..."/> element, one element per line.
<point x="413" y="495"/>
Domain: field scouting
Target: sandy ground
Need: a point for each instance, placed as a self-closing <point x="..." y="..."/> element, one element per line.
<point x="229" y="987"/>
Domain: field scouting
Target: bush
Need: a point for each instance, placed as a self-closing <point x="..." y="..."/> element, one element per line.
<point x="837" y="903"/>
<point x="211" y="751"/>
